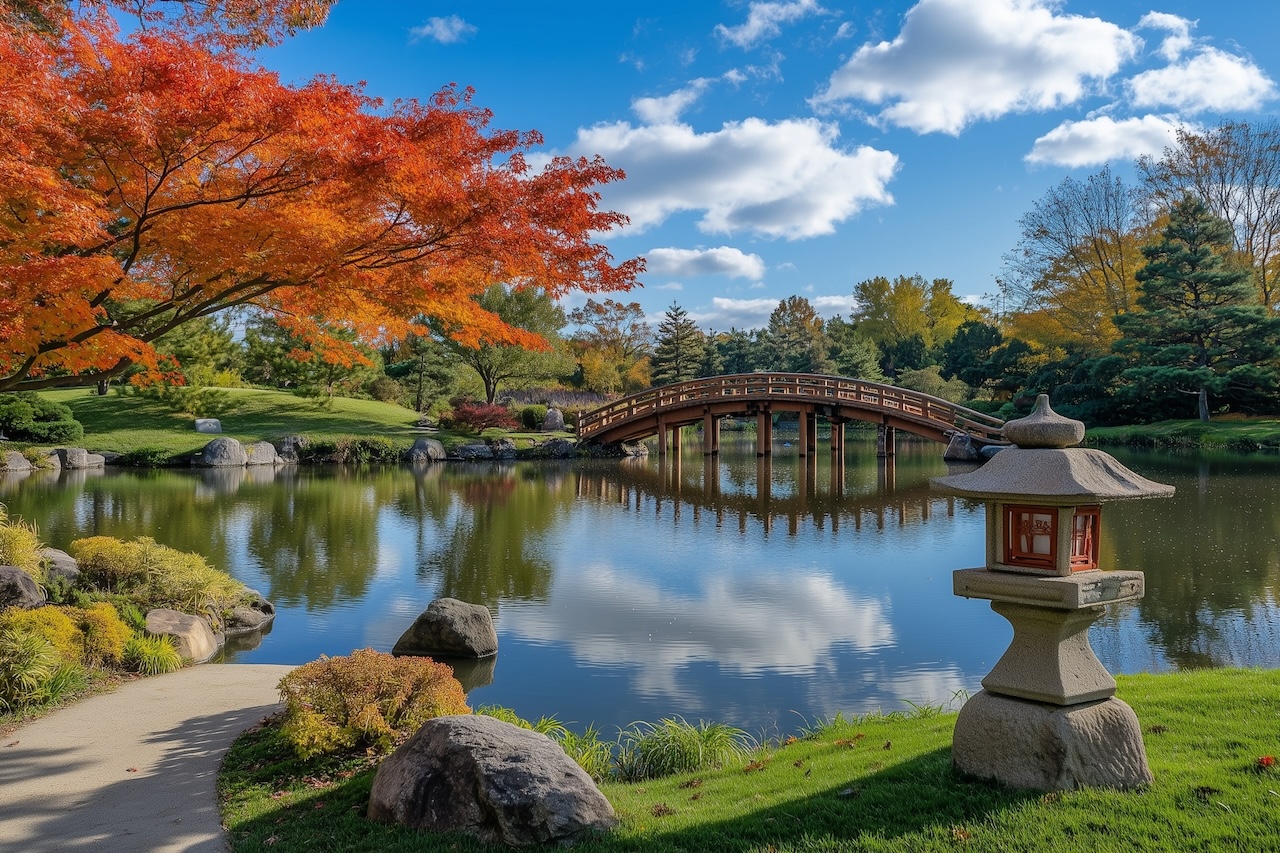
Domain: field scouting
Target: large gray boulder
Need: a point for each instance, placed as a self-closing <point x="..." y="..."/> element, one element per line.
<point x="254" y="615"/>
<point x="452" y="628"/>
<point x="473" y="453"/>
<point x="222" y="453"/>
<point x="503" y="448"/>
<point x="60" y="564"/>
<point x="290" y="448"/>
<point x="490" y="779"/>
<point x="208" y="425"/>
<point x="558" y="448"/>
<point x="261" y="453"/>
<point x="961" y="448"/>
<point x="18" y="589"/>
<point x="195" y="639"/>
<point x="15" y="462"/>
<point x="425" y="450"/>
<point x="75" y="458"/>
<point x="553" y="421"/>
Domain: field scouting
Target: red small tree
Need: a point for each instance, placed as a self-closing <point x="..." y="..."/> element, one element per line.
<point x="157" y="178"/>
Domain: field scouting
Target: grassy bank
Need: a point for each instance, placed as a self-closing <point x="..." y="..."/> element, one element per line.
<point x="1223" y="433"/>
<point x="875" y="784"/>
<point x="129" y="424"/>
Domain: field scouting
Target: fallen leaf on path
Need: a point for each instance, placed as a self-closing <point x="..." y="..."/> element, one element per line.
<point x="131" y="770"/>
<point x="15" y="743"/>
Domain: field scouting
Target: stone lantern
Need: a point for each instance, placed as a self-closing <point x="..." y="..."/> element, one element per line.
<point x="1047" y="716"/>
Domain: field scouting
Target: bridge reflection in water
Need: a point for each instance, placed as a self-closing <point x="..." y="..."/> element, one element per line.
<point x="782" y="494"/>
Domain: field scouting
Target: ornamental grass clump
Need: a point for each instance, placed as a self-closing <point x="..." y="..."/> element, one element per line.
<point x="155" y="575"/>
<point x="670" y="746"/>
<point x="32" y="672"/>
<point x="367" y="699"/>
<point x="151" y="655"/>
<point x="103" y="634"/>
<point x="20" y="546"/>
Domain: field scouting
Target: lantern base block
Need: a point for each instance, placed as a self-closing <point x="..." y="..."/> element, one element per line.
<point x="1047" y="747"/>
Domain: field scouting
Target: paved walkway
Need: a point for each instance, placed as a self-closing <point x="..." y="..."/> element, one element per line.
<point x="131" y="771"/>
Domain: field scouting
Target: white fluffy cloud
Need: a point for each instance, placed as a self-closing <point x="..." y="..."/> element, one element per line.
<point x="1211" y="80"/>
<point x="1102" y="139"/>
<point x="779" y="179"/>
<point x="723" y="260"/>
<point x="1178" y="28"/>
<point x="956" y="62"/>
<point x="725" y="313"/>
<point x="444" y="30"/>
<point x="764" y="21"/>
<point x="668" y="108"/>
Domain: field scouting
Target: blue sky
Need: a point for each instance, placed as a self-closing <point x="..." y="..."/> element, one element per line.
<point x="801" y="146"/>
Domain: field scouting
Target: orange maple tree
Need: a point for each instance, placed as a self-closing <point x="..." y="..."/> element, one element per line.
<point x="154" y="178"/>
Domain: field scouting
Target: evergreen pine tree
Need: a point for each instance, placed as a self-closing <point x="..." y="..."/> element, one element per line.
<point x="712" y="364"/>
<point x="678" y="353"/>
<point x="1201" y="329"/>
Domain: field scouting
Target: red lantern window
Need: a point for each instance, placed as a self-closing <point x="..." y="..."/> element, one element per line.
<point x="1031" y="535"/>
<point x="1084" y="538"/>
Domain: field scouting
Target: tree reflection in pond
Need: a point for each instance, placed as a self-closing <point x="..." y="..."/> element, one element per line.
<point x="734" y="587"/>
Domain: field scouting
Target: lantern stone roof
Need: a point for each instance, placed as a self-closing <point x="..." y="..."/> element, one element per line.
<point x="1059" y="476"/>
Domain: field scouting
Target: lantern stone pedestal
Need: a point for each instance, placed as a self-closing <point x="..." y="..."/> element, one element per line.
<point x="1047" y="716"/>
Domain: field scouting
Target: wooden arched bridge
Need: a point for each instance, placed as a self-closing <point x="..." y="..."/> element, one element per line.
<point x="663" y="411"/>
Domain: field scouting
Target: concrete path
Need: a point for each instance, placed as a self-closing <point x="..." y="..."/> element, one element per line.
<point x="131" y="771"/>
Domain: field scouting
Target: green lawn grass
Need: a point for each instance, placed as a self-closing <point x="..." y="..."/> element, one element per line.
<point x="876" y="784"/>
<point x="126" y="424"/>
<point x="1224" y="432"/>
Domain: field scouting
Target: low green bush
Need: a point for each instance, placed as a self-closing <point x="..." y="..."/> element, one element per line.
<point x="26" y="416"/>
<point x="151" y="655"/>
<point x="367" y="700"/>
<point x="352" y="450"/>
<point x="146" y="457"/>
<point x="531" y="417"/>
<point x="155" y="575"/>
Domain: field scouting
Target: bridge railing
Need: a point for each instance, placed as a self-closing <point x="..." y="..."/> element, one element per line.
<point x="800" y="387"/>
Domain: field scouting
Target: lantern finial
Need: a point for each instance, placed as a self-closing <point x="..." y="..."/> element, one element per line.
<point x="1044" y="428"/>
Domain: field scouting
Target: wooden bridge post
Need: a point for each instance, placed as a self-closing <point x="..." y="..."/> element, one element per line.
<point x="764" y="433"/>
<point x="886" y="443"/>
<point x="810" y="422"/>
<point x="675" y="443"/>
<point x="710" y="434"/>
<point x="662" y="437"/>
<point x="802" y="434"/>
<point x="837" y="437"/>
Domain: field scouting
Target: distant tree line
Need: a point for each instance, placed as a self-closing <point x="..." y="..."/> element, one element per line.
<point x="1124" y="303"/>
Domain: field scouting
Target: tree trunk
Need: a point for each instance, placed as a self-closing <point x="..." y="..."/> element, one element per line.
<point x="1204" y="405"/>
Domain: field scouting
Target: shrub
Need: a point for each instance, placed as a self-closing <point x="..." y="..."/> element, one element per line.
<point x="385" y="389"/>
<point x="103" y="634"/>
<point x="27" y="664"/>
<point x="366" y="699"/>
<point x="20" y="546"/>
<point x="353" y="450"/>
<point x="146" y="457"/>
<point x="649" y="750"/>
<point x="200" y="402"/>
<point x="26" y="416"/>
<point x="151" y="655"/>
<point x="155" y="575"/>
<point x="531" y="417"/>
<point x="471" y="416"/>
<point x="52" y="624"/>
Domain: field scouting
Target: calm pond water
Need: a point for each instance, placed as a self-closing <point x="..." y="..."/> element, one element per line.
<point x="763" y="595"/>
